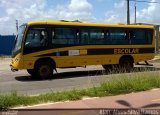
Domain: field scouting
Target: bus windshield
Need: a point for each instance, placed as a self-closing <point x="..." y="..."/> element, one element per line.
<point x="19" y="37"/>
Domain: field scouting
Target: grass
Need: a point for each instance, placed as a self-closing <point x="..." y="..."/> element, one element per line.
<point x="3" y="57"/>
<point x="114" y="86"/>
<point x="157" y="56"/>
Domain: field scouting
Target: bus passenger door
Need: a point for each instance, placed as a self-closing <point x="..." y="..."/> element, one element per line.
<point x="35" y="42"/>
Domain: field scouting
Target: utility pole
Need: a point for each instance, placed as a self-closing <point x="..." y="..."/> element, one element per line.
<point x="128" y="13"/>
<point x="157" y="38"/>
<point x="135" y="9"/>
<point x="17" y="25"/>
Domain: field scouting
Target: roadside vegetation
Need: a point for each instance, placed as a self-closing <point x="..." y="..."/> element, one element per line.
<point x="157" y="56"/>
<point x="125" y="83"/>
<point x="3" y="57"/>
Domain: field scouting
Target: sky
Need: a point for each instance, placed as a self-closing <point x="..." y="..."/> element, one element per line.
<point x="101" y="11"/>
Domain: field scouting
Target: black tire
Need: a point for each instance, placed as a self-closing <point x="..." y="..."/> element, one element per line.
<point x="126" y="64"/>
<point x="43" y="70"/>
<point x="31" y="72"/>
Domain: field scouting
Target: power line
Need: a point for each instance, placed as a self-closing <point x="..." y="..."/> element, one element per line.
<point x="128" y="12"/>
<point x="144" y="1"/>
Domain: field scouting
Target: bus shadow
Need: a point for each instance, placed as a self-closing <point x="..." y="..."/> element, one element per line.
<point x="130" y="106"/>
<point x="91" y="73"/>
<point x="63" y="75"/>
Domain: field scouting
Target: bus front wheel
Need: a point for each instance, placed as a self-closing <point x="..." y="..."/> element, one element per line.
<point x="31" y="72"/>
<point x="44" y="70"/>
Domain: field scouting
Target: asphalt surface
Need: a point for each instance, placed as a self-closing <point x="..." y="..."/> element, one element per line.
<point x="65" y="79"/>
<point x="141" y="103"/>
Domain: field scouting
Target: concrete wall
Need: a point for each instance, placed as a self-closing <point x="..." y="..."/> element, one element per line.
<point x="6" y="44"/>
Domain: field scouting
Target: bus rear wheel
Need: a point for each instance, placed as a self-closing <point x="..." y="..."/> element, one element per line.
<point x="126" y="64"/>
<point x="44" y="70"/>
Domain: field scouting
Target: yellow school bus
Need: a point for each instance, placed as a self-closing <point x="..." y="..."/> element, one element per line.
<point x="43" y="46"/>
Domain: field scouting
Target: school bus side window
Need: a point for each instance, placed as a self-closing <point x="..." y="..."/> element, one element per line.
<point x="36" y="37"/>
<point x="66" y="36"/>
<point x="84" y="36"/>
<point x="96" y="36"/>
<point x="116" y="36"/>
<point x="149" y="36"/>
<point x="138" y="36"/>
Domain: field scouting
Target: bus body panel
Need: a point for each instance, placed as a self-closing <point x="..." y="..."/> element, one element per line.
<point x="17" y="62"/>
<point x="82" y="55"/>
<point x="75" y="61"/>
<point x="83" y="59"/>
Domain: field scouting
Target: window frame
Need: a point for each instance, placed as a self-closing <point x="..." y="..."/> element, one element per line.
<point x="53" y="27"/>
<point x="36" y="49"/>
<point x="146" y="31"/>
<point x="128" y="41"/>
<point x="113" y="40"/>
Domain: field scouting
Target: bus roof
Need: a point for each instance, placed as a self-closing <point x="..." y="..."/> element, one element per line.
<point x="77" y="23"/>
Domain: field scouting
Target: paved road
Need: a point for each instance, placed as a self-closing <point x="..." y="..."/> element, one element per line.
<point x="147" y="99"/>
<point x="143" y="103"/>
<point x="65" y="79"/>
